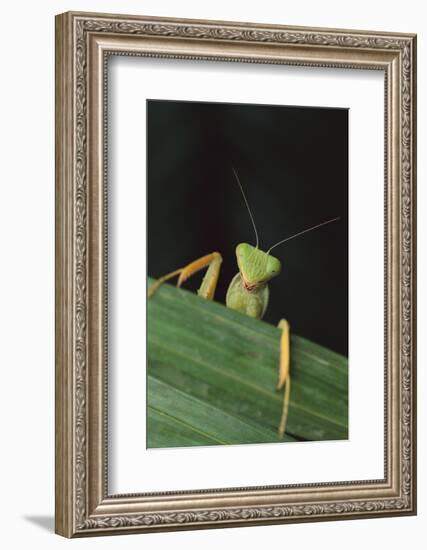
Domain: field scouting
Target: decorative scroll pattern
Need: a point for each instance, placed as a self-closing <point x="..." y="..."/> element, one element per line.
<point x="80" y="274"/>
<point x="244" y="514"/>
<point x="211" y="31"/>
<point x="407" y="388"/>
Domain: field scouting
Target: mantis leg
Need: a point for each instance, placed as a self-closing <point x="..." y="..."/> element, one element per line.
<point x="284" y="373"/>
<point x="207" y="288"/>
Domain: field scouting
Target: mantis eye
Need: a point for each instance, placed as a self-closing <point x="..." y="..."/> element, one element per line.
<point x="273" y="267"/>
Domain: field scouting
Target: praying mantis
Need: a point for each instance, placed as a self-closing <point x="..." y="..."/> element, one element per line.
<point x="248" y="291"/>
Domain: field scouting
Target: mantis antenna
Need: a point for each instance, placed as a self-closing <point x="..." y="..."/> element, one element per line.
<point x="301" y="232"/>
<point x="247" y="206"/>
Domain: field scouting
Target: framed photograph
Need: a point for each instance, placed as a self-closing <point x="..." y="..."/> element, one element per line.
<point x="235" y="274"/>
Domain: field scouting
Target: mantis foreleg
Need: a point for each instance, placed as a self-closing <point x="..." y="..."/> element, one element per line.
<point x="207" y="288"/>
<point x="284" y="374"/>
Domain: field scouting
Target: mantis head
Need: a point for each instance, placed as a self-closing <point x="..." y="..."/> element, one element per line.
<point x="256" y="267"/>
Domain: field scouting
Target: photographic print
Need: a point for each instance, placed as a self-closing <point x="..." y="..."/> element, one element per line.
<point x="247" y="255"/>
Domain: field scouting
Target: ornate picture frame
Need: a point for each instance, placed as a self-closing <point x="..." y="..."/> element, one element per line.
<point x="84" y="42"/>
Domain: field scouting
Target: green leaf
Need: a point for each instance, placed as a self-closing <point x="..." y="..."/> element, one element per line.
<point x="212" y="374"/>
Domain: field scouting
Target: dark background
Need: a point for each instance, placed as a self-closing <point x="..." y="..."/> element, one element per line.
<point x="293" y="165"/>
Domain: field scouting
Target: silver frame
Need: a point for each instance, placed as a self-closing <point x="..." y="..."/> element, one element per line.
<point x="83" y="43"/>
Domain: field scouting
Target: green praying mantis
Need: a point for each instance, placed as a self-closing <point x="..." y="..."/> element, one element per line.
<point x="248" y="291"/>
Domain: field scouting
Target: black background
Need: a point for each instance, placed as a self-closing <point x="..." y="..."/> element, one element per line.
<point x="293" y="165"/>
